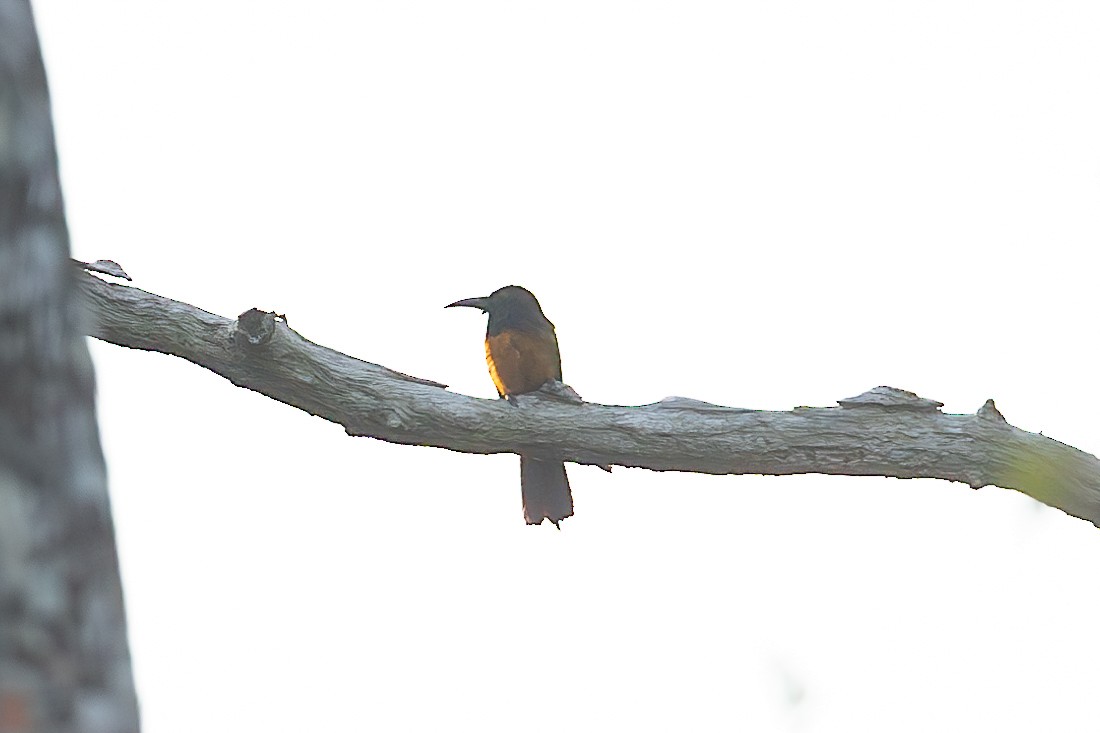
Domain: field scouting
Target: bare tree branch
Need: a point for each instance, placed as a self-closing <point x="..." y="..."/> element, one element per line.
<point x="885" y="432"/>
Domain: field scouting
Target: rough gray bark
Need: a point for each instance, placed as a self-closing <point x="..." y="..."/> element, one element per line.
<point x="884" y="432"/>
<point x="64" y="660"/>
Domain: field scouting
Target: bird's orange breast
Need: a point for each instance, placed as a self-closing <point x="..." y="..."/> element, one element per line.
<point x="520" y="361"/>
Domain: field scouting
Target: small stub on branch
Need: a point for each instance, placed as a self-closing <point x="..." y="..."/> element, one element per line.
<point x="254" y="328"/>
<point x="687" y="403"/>
<point x="989" y="411"/>
<point x="893" y="398"/>
<point x="106" y="267"/>
<point x="560" y="391"/>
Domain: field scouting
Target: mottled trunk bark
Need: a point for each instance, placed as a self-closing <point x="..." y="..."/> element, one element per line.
<point x="64" y="659"/>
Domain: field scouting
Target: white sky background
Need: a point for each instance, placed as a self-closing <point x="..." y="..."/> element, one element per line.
<point x="760" y="204"/>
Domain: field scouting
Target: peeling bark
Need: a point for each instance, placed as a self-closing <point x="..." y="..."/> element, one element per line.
<point x="883" y="432"/>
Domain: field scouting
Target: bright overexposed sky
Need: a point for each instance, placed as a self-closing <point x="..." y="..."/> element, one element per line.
<point x="758" y="204"/>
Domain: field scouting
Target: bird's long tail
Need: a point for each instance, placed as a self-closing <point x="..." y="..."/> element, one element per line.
<point x="546" y="492"/>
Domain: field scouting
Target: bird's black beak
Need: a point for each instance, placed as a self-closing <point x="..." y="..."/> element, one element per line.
<point x="479" y="303"/>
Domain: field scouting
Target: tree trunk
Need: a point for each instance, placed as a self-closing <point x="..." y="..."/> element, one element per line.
<point x="64" y="660"/>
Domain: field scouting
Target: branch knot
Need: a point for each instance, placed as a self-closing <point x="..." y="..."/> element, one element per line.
<point x="254" y="328"/>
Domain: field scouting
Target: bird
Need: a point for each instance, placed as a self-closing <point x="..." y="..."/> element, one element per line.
<point x="521" y="349"/>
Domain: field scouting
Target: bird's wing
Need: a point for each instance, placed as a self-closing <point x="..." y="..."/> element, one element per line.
<point x="521" y="361"/>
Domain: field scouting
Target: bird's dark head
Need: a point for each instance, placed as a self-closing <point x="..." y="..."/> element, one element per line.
<point x="509" y="307"/>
